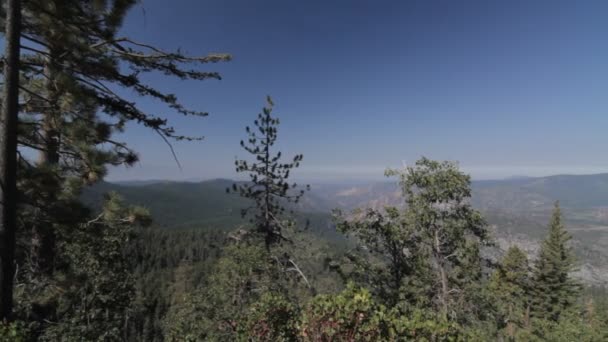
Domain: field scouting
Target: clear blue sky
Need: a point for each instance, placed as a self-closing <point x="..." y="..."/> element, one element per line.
<point x="504" y="87"/>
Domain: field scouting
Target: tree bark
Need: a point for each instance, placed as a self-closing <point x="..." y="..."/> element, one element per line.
<point x="269" y="231"/>
<point x="42" y="248"/>
<point x="50" y="133"/>
<point x="43" y="234"/>
<point x="8" y="157"/>
<point x="443" y="297"/>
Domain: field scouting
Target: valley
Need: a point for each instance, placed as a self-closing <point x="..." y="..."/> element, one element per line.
<point x="517" y="210"/>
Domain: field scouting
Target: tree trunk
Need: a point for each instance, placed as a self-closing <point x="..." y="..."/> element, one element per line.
<point x="8" y="157"/>
<point x="50" y="133"/>
<point x="43" y="234"/>
<point x="443" y="278"/>
<point x="269" y="231"/>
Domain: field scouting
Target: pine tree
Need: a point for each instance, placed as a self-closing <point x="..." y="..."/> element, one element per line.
<point x="214" y="311"/>
<point x="75" y="69"/>
<point x="554" y="289"/>
<point x="510" y="287"/>
<point x="98" y="294"/>
<point x="268" y="186"/>
<point x="8" y="157"/>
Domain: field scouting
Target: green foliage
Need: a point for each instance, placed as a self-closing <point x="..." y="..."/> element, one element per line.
<point x="75" y="280"/>
<point x="419" y="271"/>
<point x="77" y="44"/>
<point x="349" y="316"/>
<point x="272" y="318"/>
<point x="423" y="326"/>
<point x="427" y="255"/>
<point x="98" y="284"/>
<point x="554" y="289"/>
<point x="569" y="327"/>
<point x="178" y="270"/>
<point x="187" y="320"/>
<point x="268" y="186"/>
<point x="448" y="231"/>
<point x="15" y="331"/>
<point x="168" y="264"/>
<point x="353" y="315"/>
<point x="237" y="280"/>
<point x="510" y="290"/>
<point x="386" y="266"/>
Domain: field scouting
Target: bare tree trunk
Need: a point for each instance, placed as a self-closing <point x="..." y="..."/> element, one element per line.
<point x="8" y="157"/>
<point x="50" y="133"/>
<point x="269" y="232"/>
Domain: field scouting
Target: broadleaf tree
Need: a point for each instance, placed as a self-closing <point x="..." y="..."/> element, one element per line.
<point x="426" y="254"/>
<point x="383" y="260"/>
<point x="448" y="231"/>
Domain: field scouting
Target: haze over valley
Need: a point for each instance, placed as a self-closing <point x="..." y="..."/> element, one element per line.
<point x="517" y="209"/>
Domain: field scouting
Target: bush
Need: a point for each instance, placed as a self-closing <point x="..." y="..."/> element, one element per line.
<point x="13" y="332"/>
<point x="272" y="318"/>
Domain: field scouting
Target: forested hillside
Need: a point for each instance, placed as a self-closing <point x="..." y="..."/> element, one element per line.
<point x="517" y="210"/>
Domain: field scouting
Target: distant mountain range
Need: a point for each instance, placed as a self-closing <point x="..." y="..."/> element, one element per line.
<point x="518" y="209"/>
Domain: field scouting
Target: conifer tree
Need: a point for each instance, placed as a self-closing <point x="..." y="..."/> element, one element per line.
<point x="554" y="289"/>
<point x="268" y="183"/>
<point x="75" y="69"/>
<point x="98" y="295"/>
<point x="510" y="287"/>
<point x="8" y="157"/>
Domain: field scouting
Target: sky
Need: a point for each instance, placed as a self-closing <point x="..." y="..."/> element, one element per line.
<point x="505" y="88"/>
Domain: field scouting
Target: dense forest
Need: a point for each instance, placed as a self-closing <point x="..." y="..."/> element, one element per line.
<point x="80" y="267"/>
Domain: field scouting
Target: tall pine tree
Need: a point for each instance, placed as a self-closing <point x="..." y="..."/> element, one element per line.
<point x="510" y="287"/>
<point x="75" y="69"/>
<point x="554" y="288"/>
<point x="268" y="184"/>
<point x="8" y="157"/>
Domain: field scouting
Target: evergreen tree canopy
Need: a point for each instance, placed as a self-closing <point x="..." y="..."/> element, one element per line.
<point x="76" y="68"/>
<point x="554" y="288"/>
<point x="76" y="73"/>
<point x="510" y="287"/>
<point x="268" y="186"/>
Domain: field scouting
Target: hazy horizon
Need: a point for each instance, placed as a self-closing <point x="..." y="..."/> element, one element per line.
<point x="354" y="180"/>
